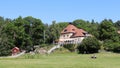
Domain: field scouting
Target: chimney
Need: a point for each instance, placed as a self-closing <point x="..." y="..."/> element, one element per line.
<point x="70" y="22"/>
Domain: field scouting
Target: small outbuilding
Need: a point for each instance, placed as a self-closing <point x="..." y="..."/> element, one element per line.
<point x="15" y="50"/>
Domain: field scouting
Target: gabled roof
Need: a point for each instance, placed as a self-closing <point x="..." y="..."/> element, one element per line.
<point x="79" y="33"/>
<point x="72" y="29"/>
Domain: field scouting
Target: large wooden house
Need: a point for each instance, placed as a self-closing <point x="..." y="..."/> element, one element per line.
<point x="72" y="34"/>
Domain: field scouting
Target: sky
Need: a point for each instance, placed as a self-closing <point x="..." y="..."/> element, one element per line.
<point x="61" y="10"/>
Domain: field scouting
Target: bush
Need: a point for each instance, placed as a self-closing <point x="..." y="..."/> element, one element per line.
<point x="116" y="48"/>
<point x="109" y="45"/>
<point x="89" y="45"/>
<point x="70" y="47"/>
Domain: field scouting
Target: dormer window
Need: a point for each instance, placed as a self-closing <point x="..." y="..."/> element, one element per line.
<point x="73" y="29"/>
<point x="65" y="30"/>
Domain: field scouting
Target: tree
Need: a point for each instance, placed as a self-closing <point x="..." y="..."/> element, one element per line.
<point x="35" y="28"/>
<point x="117" y="25"/>
<point x="82" y="24"/>
<point x="1" y="19"/>
<point x="54" y="32"/>
<point x="62" y="25"/>
<point x="6" y="44"/>
<point x="107" y="30"/>
<point x="109" y="45"/>
<point x="19" y="35"/>
<point x="109" y="36"/>
<point x="6" y="40"/>
<point x="89" y="45"/>
<point x="93" y="29"/>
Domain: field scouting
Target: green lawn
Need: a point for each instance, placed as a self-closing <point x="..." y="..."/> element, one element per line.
<point x="70" y="60"/>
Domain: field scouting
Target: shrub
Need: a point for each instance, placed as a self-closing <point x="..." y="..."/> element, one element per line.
<point x="109" y="45"/>
<point x="116" y="48"/>
<point x="70" y="47"/>
<point x="89" y="45"/>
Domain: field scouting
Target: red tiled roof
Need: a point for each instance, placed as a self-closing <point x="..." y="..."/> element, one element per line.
<point x="79" y="32"/>
<point x="72" y="29"/>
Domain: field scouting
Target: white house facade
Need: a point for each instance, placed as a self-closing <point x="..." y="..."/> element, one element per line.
<point x="72" y="34"/>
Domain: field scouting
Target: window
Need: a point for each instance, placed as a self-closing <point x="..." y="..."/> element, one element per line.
<point x="67" y="35"/>
<point x="73" y="29"/>
<point x="63" y="35"/>
<point x="65" y="30"/>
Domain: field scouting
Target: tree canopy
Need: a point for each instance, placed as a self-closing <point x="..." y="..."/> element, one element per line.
<point x="27" y="32"/>
<point x="107" y="30"/>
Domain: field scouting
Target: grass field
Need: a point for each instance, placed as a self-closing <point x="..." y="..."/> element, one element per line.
<point x="70" y="60"/>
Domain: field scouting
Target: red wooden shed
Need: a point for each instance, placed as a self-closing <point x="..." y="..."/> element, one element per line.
<point x="15" y="50"/>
